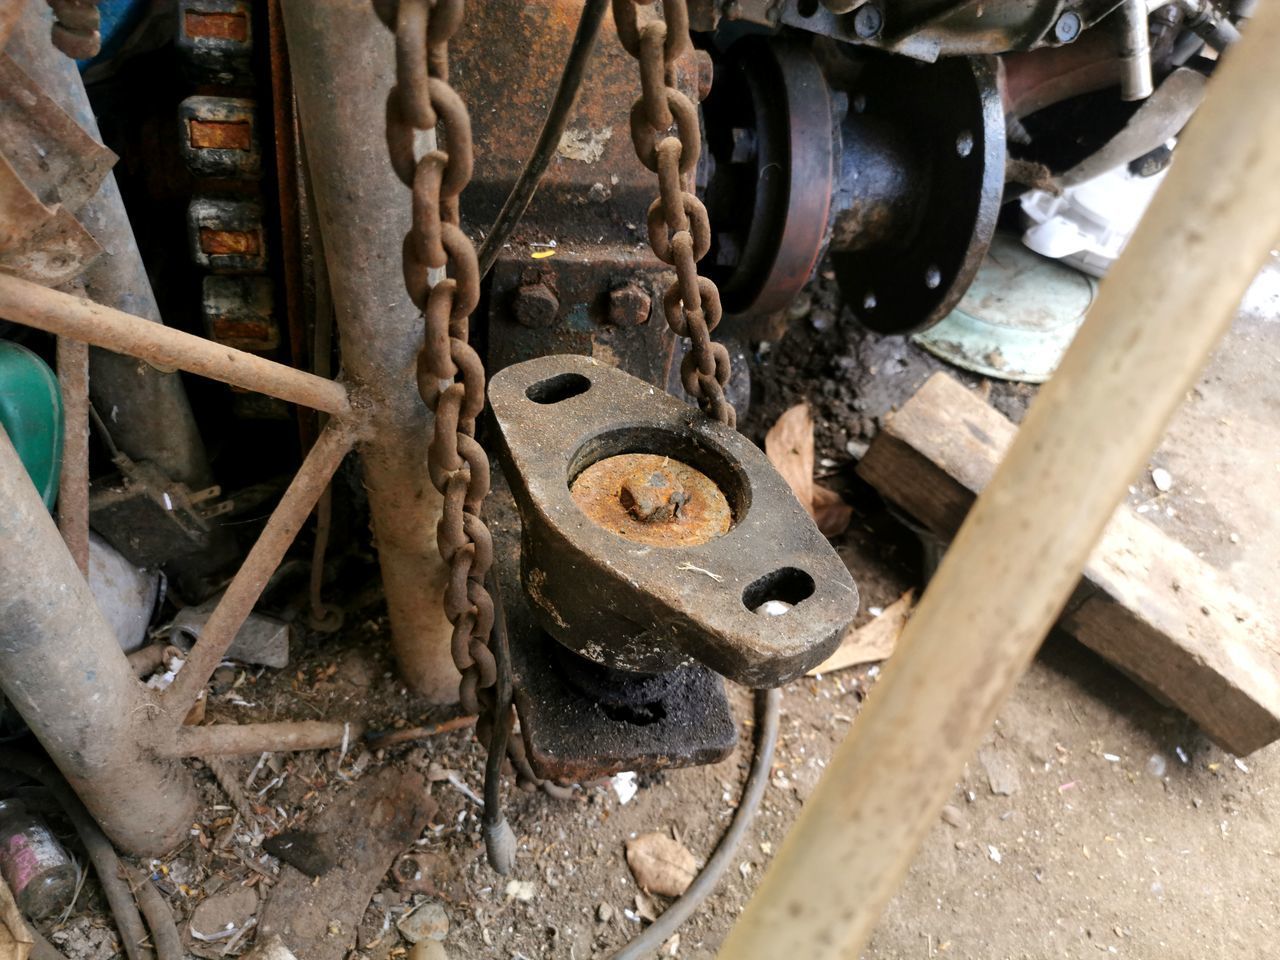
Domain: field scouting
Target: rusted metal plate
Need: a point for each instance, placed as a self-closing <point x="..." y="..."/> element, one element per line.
<point x="595" y="186"/>
<point x="647" y="608"/>
<point x="583" y="278"/>
<point x="227" y="235"/>
<point x="215" y="39"/>
<point x="50" y="153"/>
<point x="219" y="137"/>
<point x="579" y="727"/>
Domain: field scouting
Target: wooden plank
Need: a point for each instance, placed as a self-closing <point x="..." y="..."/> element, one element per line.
<point x="1146" y="603"/>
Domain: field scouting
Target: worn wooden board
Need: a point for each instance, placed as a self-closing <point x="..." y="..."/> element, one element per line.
<point x="366" y="828"/>
<point x="1146" y="603"/>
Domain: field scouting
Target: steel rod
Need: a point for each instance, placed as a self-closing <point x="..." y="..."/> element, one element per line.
<point x="22" y="301"/>
<point x="227" y="739"/>
<point x="228" y="617"/>
<point x="73" y="482"/>
<point x="1159" y="313"/>
<point x="63" y="670"/>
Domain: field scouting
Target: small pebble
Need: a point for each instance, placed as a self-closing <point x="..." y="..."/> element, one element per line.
<point x="1163" y="479"/>
<point x="952" y="815"/>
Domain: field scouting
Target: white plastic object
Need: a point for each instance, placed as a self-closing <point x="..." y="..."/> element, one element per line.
<point x="1088" y="224"/>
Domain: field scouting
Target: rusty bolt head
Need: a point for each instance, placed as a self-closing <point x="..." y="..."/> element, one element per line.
<point x="629" y="306"/>
<point x="535" y="305"/>
<point x="653" y="499"/>
<point x="652" y="496"/>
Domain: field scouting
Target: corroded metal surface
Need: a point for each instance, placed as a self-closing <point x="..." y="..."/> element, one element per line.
<point x="652" y="499"/>
<point x="580" y="725"/>
<point x="645" y="609"/>
<point x="911" y="237"/>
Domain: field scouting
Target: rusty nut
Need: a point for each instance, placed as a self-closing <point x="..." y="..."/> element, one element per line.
<point x="629" y="306"/>
<point x="535" y="305"/>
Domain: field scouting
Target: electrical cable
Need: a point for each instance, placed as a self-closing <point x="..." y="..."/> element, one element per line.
<point x="648" y="942"/>
<point x="526" y="184"/>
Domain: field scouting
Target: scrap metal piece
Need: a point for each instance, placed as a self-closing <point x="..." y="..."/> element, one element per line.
<point x="647" y="608"/>
<point x="215" y="38"/>
<point x="219" y="137"/>
<point x="261" y="639"/>
<point x="227" y="235"/>
<point x="149" y="518"/>
<point x="581" y="722"/>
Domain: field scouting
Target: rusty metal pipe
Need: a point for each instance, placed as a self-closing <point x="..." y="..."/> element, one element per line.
<point x="73" y="481"/>
<point x="342" y="59"/>
<point x="227" y="739"/>
<point x="22" y="301"/>
<point x="61" y="667"/>
<point x="228" y="617"/>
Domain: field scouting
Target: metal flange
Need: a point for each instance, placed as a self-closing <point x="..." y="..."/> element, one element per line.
<point x="703" y="554"/>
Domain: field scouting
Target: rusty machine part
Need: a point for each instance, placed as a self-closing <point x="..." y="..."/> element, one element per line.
<point x="657" y="548"/>
<point x="897" y="172"/>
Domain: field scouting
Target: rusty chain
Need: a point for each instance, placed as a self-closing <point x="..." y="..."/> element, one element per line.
<point x="75" y="30"/>
<point x="442" y="277"/>
<point x="679" y="230"/>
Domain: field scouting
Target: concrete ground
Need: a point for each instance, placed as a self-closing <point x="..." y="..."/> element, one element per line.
<point x="1096" y="821"/>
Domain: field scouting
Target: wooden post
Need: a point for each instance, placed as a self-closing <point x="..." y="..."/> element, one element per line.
<point x="1018" y="555"/>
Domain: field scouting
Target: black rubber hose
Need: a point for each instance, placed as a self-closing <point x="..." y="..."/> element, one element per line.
<point x="526" y="184"/>
<point x="660" y="930"/>
<point x="106" y="864"/>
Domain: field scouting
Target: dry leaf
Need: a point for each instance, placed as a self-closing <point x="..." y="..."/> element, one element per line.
<point x="661" y="865"/>
<point x="789" y="447"/>
<point x="830" y="511"/>
<point x="873" y="641"/>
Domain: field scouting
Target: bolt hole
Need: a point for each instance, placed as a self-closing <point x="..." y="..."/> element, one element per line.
<point x="807" y="8"/>
<point x="932" y="276"/>
<point x="788" y="585"/>
<point x="560" y="387"/>
<point x="964" y="143"/>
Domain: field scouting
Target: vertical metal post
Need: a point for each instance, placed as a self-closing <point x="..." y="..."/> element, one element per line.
<point x="61" y="667"/>
<point x="342" y="60"/>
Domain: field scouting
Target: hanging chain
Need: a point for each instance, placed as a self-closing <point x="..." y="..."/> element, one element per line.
<point x="679" y="230"/>
<point x="442" y="276"/>
<point x="75" y="30"/>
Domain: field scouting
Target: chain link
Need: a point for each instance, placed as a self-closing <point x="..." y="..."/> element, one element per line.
<point x="75" y="29"/>
<point x="679" y="230"/>
<point x="442" y="277"/>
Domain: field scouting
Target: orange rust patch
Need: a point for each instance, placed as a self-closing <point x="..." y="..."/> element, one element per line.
<point x="219" y="135"/>
<point x="220" y="26"/>
<point x="702" y="515"/>
<point x="235" y="242"/>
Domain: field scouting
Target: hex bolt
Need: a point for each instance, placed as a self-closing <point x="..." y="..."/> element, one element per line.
<point x="1067" y="28"/>
<point x="629" y="305"/>
<point x="535" y="304"/>
<point x="653" y="496"/>
<point x="868" y="20"/>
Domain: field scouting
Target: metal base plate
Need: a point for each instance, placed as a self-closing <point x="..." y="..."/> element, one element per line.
<point x="571" y="737"/>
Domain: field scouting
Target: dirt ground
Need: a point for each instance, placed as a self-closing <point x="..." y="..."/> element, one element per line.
<point x="1093" y="821"/>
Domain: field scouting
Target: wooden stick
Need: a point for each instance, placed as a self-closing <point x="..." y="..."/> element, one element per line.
<point x="1017" y="557"/>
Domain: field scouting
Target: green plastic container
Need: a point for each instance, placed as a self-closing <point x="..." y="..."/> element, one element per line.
<point x="31" y="414"/>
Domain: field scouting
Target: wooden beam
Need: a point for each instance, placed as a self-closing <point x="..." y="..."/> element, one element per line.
<point x="1146" y="602"/>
